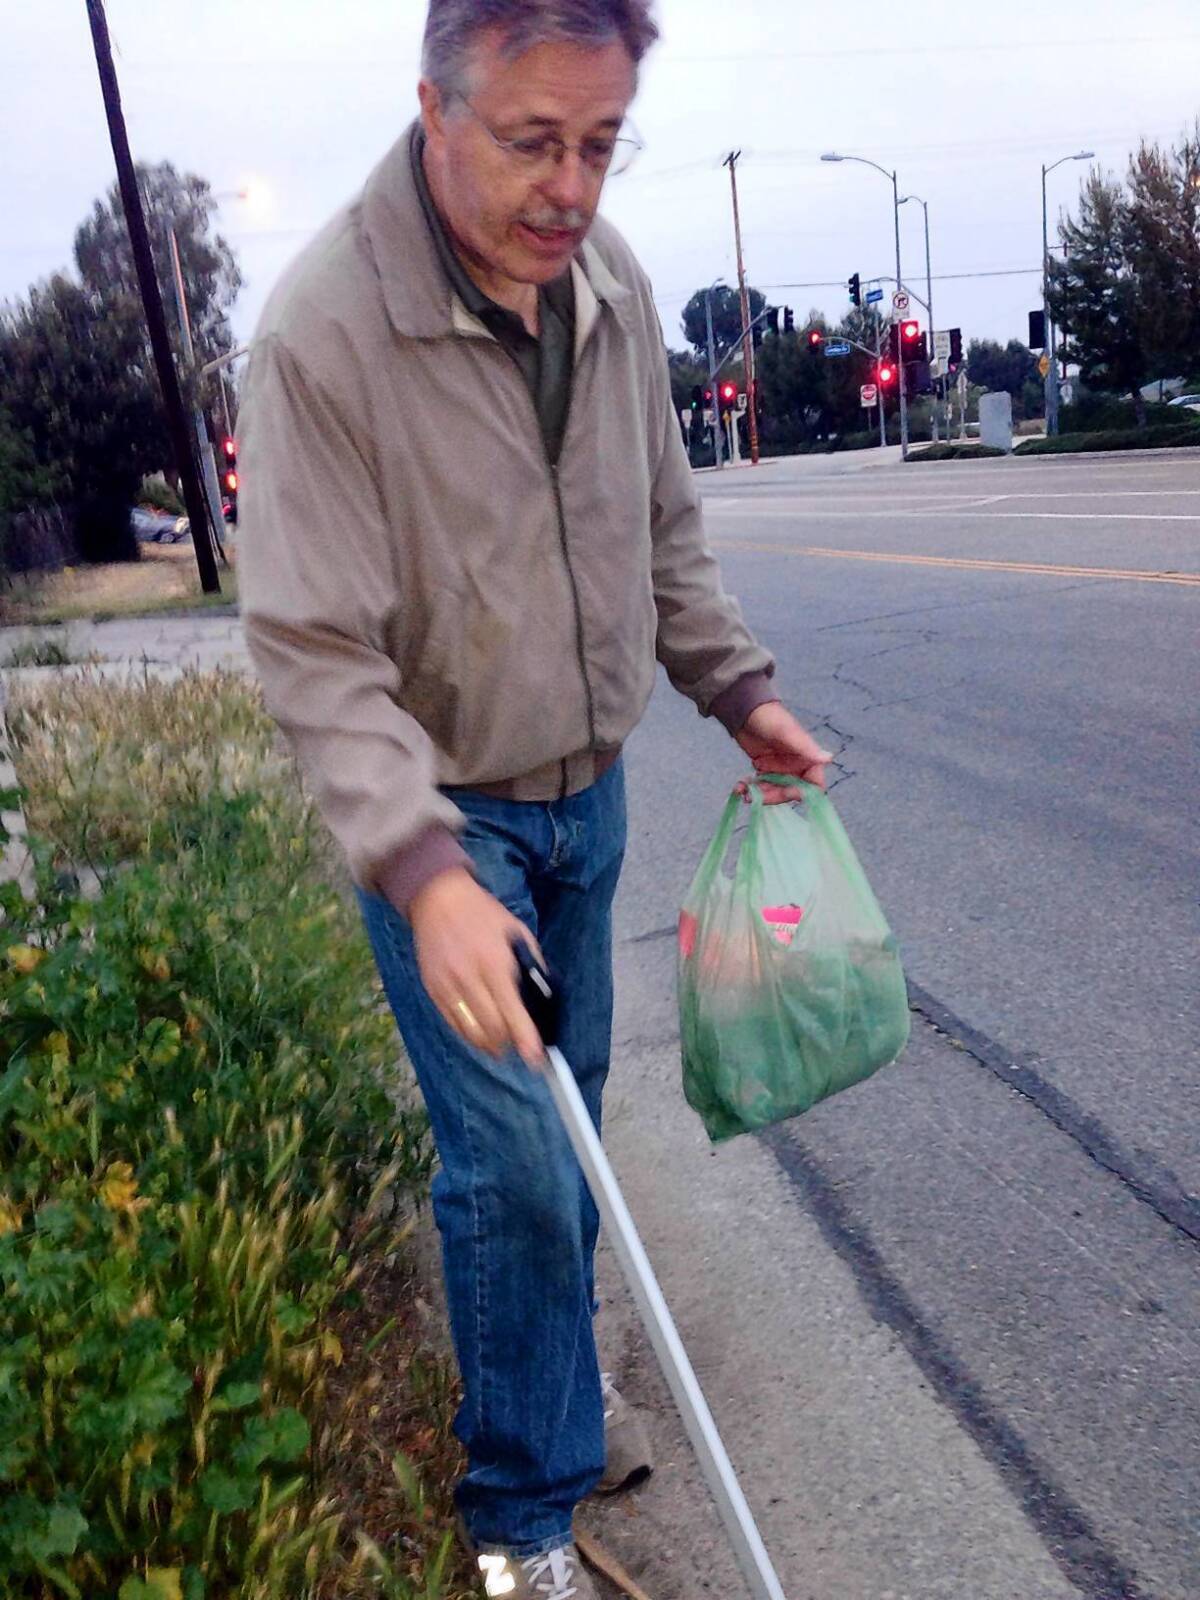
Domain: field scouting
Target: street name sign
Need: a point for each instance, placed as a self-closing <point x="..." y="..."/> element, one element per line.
<point x="868" y="395"/>
<point x="874" y="296"/>
<point x="836" y="347"/>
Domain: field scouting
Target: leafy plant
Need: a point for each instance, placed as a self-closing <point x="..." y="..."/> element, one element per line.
<point x="202" y="1124"/>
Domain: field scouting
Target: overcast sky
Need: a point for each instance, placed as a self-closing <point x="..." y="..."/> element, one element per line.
<point x="299" y="99"/>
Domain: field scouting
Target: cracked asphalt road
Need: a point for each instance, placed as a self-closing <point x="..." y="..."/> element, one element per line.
<point x="948" y="1321"/>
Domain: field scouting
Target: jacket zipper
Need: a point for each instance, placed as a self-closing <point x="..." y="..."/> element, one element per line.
<point x="556" y="485"/>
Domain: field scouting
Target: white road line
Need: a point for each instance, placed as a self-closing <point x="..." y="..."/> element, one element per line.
<point x="988" y="516"/>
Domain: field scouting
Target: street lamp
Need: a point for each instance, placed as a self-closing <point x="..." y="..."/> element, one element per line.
<point x="924" y="204"/>
<point x="1051" y="337"/>
<point x="833" y="155"/>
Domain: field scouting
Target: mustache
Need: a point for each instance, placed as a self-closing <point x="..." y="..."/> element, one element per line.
<point x="552" y="219"/>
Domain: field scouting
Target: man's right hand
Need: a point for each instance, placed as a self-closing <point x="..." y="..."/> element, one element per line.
<point x="464" y="940"/>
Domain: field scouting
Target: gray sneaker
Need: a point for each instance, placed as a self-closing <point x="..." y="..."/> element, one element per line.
<point x="629" y="1459"/>
<point x="558" y="1575"/>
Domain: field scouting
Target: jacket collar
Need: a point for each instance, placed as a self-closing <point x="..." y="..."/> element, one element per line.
<point x="416" y="291"/>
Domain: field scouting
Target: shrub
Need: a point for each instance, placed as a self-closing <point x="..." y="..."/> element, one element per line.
<point x="1156" y="438"/>
<point x="955" y="452"/>
<point x="200" y="1114"/>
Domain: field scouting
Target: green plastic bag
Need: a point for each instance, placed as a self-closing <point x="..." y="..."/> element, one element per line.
<point x="790" y="983"/>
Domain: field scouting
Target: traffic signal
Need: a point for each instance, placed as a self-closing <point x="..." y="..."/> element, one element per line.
<point x="887" y="374"/>
<point x="697" y="397"/>
<point x="955" y="349"/>
<point x="729" y="395"/>
<point x="789" y="320"/>
<point x="1037" y="330"/>
<point x="855" y="287"/>
<point x="229" y="475"/>
<point x="771" y="320"/>
<point x="910" y="332"/>
<point x="815" y="338"/>
<point x="894" y="344"/>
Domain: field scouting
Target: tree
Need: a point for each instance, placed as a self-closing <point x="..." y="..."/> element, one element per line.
<point x="727" y="319"/>
<point x="73" y="385"/>
<point x="1163" y="252"/>
<point x="998" y="367"/>
<point x="211" y="277"/>
<point x="1095" y="296"/>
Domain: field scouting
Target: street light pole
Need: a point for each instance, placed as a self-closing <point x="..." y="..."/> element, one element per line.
<point x="833" y="155"/>
<point x="1051" y="346"/>
<point x="928" y="289"/>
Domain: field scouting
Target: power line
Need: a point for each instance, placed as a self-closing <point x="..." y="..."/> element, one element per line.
<point x="938" y="277"/>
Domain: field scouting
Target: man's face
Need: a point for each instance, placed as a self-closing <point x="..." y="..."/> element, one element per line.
<point x="519" y="220"/>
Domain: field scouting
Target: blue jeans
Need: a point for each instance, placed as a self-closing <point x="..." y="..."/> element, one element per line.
<point x="517" y="1222"/>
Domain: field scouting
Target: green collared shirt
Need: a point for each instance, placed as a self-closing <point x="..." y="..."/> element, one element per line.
<point x="547" y="362"/>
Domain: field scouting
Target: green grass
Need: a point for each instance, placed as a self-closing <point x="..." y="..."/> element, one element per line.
<point x="1173" y="437"/>
<point x="39" y="653"/>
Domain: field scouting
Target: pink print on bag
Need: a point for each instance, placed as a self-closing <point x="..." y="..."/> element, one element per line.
<point x="783" y="922"/>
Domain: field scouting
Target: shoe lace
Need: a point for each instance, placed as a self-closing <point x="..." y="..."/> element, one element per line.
<point x="553" y="1574"/>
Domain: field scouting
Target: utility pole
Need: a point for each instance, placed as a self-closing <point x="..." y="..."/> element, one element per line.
<point x="193" y="494"/>
<point x="879" y="385"/>
<point x="204" y="449"/>
<point x="718" y="439"/>
<point x="747" y="336"/>
<point x="902" y="385"/>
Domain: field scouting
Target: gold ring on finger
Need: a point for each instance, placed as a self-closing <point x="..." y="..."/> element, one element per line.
<point x="468" y="1016"/>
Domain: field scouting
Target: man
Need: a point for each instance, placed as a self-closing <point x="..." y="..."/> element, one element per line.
<point x="469" y="528"/>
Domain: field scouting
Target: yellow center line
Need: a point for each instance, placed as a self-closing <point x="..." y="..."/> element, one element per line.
<point x="964" y="563"/>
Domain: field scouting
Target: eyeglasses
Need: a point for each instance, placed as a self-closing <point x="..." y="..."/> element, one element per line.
<point x="602" y="154"/>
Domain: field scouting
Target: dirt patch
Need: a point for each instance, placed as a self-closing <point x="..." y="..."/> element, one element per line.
<point x="166" y="576"/>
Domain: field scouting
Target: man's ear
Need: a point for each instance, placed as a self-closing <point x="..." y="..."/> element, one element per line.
<point x="433" y="109"/>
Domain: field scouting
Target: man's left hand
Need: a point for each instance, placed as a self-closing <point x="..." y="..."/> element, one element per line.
<point x="777" y="743"/>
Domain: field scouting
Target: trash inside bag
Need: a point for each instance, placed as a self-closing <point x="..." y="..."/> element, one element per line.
<point x="790" y="982"/>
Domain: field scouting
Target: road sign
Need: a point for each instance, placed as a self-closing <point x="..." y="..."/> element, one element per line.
<point x="685" y="416"/>
<point x="941" y="346"/>
<point x="874" y="296"/>
<point x="868" y="394"/>
<point x="1044" y="365"/>
<point x="935" y="369"/>
<point x="900" y="303"/>
<point x="836" y="347"/>
<point x="743" y="404"/>
<point x="1066" y="393"/>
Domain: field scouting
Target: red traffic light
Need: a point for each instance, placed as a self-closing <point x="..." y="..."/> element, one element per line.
<point x="815" y="337"/>
<point x="231" y="482"/>
<point x="910" y="332"/>
<point x="886" y="373"/>
<point x="729" y="391"/>
<point x="230" y="448"/>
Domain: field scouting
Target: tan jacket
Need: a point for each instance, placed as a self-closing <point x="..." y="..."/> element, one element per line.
<point x="426" y="600"/>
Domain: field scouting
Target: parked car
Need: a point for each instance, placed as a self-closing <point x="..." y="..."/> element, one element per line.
<point x="159" y="527"/>
<point x="1191" y="401"/>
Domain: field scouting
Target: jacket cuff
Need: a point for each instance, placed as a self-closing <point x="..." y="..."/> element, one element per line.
<point x="405" y="874"/>
<point x="733" y="705"/>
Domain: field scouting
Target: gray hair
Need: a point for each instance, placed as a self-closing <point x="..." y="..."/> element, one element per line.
<point x="453" y="24"/>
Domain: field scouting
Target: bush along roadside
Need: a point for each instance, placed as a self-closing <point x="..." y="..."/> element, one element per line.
<point x="204" y="1141"/>
<point x="955" y="452"/>
<point x="1173" y="437"/>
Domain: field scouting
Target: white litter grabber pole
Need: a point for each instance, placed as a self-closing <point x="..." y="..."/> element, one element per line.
<point x="743" y="1534"/>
